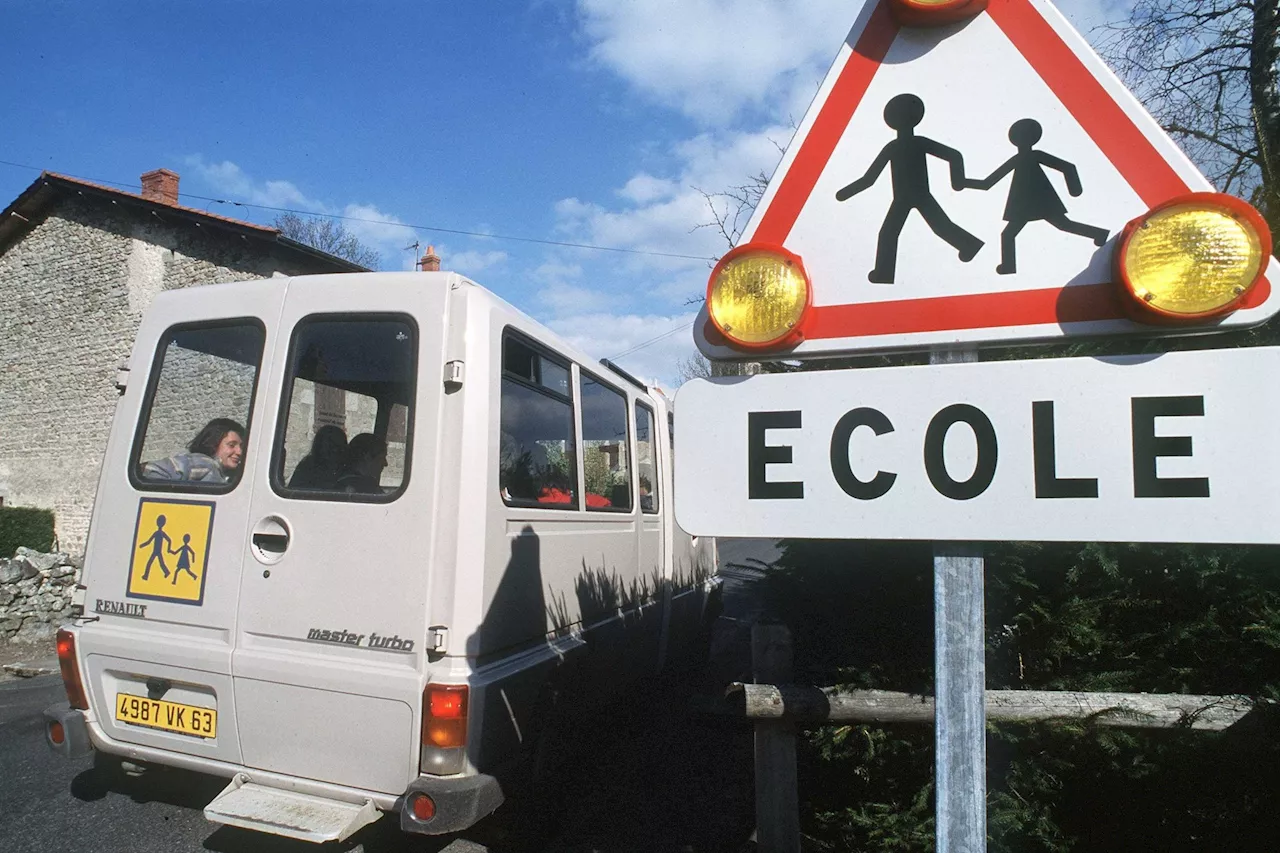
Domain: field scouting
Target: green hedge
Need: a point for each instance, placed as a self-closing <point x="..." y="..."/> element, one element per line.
<point x="1129" y="618"/>
<point x="22" y="526"/>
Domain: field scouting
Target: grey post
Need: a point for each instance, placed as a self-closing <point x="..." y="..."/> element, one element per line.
<point x="777" y="795"/>
<point x="960" y="672"/>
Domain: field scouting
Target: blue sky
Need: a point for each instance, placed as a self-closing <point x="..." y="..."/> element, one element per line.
<point x="583" y="121"/>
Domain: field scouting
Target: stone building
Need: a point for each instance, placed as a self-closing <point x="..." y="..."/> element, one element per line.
<point x="79" y="263"/>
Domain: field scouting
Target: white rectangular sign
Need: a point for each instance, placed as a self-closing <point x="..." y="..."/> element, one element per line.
<point x="1173" y="448"/>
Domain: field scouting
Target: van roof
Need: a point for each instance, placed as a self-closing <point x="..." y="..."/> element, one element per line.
<point x="446" y="278"/>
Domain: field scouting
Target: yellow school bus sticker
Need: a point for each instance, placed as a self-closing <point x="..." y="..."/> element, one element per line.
<point x="171" y="550"/>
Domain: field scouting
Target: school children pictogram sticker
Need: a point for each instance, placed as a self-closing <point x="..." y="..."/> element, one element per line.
<point x="966" y="184"/>
<point x="171" y="550"/>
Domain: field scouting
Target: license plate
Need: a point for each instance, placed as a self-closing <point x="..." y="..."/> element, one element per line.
<point x="168" y="716"/>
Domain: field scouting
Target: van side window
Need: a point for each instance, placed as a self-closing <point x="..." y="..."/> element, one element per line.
<point x="536" y="464"/>
<point x="347" y="409"/>
<point x="646" y="459"/>
<point x="196" y="418"/>
<point x="605" y="452"/>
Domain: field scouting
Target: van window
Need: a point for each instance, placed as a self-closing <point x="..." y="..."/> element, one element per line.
<point x="646" y="459"/>
<point x="347" y="410"/>
<point x="606" y="459"/>
<point x="536" y="459"/>
<point x="195" y="422"/>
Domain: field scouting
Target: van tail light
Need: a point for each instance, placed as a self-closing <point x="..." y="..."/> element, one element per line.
<point x="71" y="670"/>
<point x="444" y="728"/>
<point x="444" y="718"/>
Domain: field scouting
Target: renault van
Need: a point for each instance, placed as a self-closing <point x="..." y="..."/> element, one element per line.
<point x="360" y="541"/>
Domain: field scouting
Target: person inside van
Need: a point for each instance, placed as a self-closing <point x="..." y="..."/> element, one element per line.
<point x="646" y="496"/>
<point x="324" y="465"/>
<point x="366" y="457"/>
<point x="213" y="456"/>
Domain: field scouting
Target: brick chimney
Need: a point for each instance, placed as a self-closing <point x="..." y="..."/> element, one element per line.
<point x="430" y="261"/>
<point x="160" y="185"/>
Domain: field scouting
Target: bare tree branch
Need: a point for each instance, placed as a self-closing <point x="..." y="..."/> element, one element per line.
<point x="327" y="235"/>
<point x="1207" y="69"/>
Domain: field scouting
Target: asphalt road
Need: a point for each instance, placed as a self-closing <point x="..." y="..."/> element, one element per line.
<point x="658" y="778"/>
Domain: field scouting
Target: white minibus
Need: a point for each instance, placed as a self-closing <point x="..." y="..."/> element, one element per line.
<point x="361" y="543"/>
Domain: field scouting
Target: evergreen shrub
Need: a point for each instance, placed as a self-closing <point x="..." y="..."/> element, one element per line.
<point x="1126" y="618"/>
<point x="27" y="527"/>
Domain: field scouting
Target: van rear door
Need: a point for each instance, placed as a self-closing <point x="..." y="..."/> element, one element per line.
<point x="165" y="554"/>
<point x="329" y="661"/>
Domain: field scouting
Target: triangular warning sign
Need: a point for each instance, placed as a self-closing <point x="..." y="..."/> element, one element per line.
<point x="967" y="183"/>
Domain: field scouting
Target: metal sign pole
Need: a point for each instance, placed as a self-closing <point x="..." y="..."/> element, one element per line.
<point x="960" y="775"/>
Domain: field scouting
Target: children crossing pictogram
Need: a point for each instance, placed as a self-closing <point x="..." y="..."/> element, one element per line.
<point x="153" y="572"/>
<point x="1031" y="195"/>
<point x="158" y="541"/>
<point x="908" y="170"/>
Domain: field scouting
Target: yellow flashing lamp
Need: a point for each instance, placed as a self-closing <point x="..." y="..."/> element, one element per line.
<point x="757" y="295"/>
<point x="934" y="13"/>
<point x="1195" y="257"/>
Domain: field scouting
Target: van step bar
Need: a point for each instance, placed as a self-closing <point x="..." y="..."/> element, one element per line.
<point x="303" y="816"/>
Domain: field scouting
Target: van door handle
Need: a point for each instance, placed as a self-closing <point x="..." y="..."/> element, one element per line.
<point x="272" y="543"/>
<point x="270" y="539"/>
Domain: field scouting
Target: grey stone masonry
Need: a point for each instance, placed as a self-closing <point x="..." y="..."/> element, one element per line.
<point x="73" y="289"/>
<point x="35" y="595"/>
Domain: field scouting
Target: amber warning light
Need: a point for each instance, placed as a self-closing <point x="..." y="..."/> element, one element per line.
<point x="757" y="296"/>
<point x="1193" y="258"/>
<point x="934" y="13"/>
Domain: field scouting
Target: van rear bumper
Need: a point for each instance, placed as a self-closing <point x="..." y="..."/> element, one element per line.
<point x="461" y="801"/>
<point x="74" y="729"/>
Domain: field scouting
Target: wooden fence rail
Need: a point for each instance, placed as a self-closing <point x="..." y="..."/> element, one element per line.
<point x="776" y="709"/>
<point x="1126" y="710"/>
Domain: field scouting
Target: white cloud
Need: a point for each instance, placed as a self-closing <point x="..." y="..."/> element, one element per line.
<point x="712" y="58"/>
<point x="606" y="335"/>
<point x="228" y="178"/>
<point x="471" y="262"/>
<point x="384" y="231"/>
<point x="557" y="271"/>
<point x="645" y="188"/>
<point x="567" y="300"/>
<point x="668" y="214"/>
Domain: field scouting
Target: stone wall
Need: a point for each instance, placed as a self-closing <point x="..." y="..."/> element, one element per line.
<point x="72" y="294"/>
<point x="35" y="595"/>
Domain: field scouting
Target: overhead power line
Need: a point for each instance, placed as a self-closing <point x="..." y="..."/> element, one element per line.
<point x="435" y="229"/>
<point x="652" y="340"/>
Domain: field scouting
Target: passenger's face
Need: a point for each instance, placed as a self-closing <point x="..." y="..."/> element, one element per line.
<point x="374" y="464"/>
<point x="230" y="451"/>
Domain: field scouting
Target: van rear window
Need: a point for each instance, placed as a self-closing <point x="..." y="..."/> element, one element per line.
<point x="195" y="425"/>
<point x="347" y="410"/>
